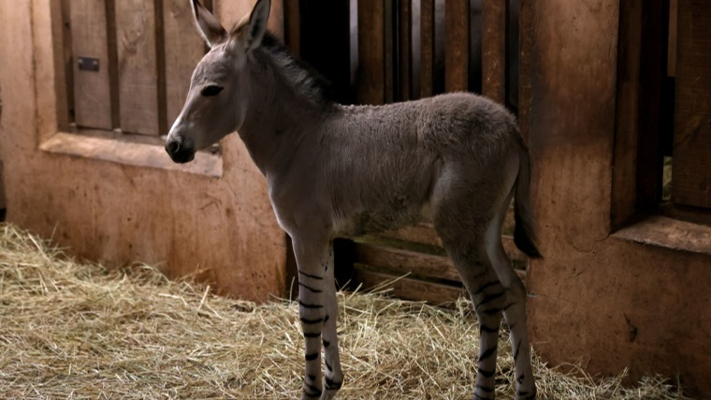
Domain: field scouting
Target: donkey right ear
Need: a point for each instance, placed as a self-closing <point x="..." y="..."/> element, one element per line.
<point x="209" y="27"/>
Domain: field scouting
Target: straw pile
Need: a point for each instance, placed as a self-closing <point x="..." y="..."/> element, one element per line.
<point x="75" y="331"/>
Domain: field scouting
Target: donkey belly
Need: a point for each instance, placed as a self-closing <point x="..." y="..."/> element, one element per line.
<point x="365" y="222"/>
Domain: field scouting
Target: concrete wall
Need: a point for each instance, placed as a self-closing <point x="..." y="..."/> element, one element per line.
<point x="129" y="204"/>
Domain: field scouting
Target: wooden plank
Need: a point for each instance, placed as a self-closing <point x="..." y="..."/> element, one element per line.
<point x="425" y="234"/>
<point x="627" y="113"/>
<point x="420" y="264"/>
<point x="407" y="288"/>
<point x="371" y="62"/>
<point x="525" y="95"/>
<point x="652" y="74"/>
<point x="427" y="50"/>
<point x="691" y="184"/>
<point x="138" y="66"/>
<point x="494" y="50"/>
<point x="292" y="26"/>
<point x="456" y="61"/>
<point x="184" y="47"/>
<point x="673" y="29"/>
<point x="92" y="95"/>
<point x="405" y="48"/>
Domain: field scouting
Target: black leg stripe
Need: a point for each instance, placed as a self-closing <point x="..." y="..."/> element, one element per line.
<point x="311" y="357"/>
<point x="485" y="286"/>
<point x="310" y="276"/>
<point x="312" y="392"/>
<point x="476" y="397"/>
<point x="506" y="307"/>
<point x="491" y="311"/>
<point x="488" y="329"/>
<point x="328" y="366"/>
<point x="485" y="388"/>
<point x="518" y="347"/>
<point x="331" y="385"/>
<point x="326" y="343"/>
<point x="489" y="298"/>
<point x="311" y="321"/>
<point x="520" y="378"/>
<point x="486" y="374"/>
<point x="312" y="335"/>
<point x="309" y="288"/>
<point x="325" y="319"/>
<point x="488" y="353"/>
<point x="302" y="304"/>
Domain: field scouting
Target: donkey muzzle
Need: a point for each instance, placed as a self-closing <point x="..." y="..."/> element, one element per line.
<point x="178" y="151"/>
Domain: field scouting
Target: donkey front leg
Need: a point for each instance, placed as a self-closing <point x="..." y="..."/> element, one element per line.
<point x="312" y="259"/>
<point x="334" y="375"/>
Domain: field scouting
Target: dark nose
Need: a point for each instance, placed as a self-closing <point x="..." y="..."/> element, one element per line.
<point x="172" y="147"/>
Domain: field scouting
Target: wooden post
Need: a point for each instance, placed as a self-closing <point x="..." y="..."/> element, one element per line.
<point x="494" y="50"/>
<point x="427" y="51"/>
<point x="457" y="45"/>
<point x="691" y="184"/>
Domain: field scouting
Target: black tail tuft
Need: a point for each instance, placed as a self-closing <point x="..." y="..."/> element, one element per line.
<point x="524" y="235"/>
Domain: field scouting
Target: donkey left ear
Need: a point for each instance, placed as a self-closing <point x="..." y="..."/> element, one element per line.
<point x="256" y="26"/>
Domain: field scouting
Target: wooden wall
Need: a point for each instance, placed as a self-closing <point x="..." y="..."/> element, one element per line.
<point x="120" y="202"/>
<point x="611" y="298"/>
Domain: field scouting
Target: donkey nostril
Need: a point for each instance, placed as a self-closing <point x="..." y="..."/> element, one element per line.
<point x="173" y="147"/>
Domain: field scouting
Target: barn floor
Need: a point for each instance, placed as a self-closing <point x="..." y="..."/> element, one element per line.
<point x="76" y="331"/>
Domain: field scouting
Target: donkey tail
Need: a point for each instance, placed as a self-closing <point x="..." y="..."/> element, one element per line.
<point x="524" y="235"/>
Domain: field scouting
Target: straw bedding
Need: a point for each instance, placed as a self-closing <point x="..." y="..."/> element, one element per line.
<point x="77" y="331"/>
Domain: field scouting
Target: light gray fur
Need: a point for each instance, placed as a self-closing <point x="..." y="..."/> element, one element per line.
<point x="333" y="170"/>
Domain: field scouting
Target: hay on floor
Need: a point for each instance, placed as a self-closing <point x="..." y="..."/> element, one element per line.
<point x="78" y="331"/>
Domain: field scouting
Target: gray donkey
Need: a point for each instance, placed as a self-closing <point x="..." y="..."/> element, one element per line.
<point x="332" y="170"/>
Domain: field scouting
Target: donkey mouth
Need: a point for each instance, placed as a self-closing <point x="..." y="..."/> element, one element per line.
<point x="178" y="152"/>
<point x="182" y="158"/>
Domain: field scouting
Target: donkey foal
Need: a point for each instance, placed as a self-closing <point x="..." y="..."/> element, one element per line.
<point x="454" y="159"/>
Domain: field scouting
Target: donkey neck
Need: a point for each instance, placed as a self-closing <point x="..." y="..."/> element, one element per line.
<point x="279" y="117"/>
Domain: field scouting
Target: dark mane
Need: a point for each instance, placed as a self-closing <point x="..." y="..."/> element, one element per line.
<point x="304" y="78"/>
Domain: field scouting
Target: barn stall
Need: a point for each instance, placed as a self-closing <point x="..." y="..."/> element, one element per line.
<point x="91" y="87"/>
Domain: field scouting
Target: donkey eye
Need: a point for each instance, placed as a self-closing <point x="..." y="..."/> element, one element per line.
<point x="212" y="90"/>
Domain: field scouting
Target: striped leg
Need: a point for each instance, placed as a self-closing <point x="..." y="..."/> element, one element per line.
<point x="488" y="296"/>
<point x="311" y="262"/>
<point x="515" y="314"/>
<point x="334" y="375"/>
<point x="488" y="300"/>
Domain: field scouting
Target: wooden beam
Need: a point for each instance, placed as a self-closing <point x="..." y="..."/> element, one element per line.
<point x="691" y="182"/>
<point x="427" y="50"/>
<point x="184" y="48"/>
<point x="494" y="50"/>
<point x="371" y="62"/>
<point x="138" y="66"/>
<point x="90" y="64"/>
<point x="456" y="49"/>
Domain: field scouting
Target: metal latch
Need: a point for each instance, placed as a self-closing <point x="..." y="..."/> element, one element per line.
<point x="88" y="64"/>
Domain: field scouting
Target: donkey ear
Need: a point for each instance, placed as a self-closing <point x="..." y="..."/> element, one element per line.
<point x="209" y="27"/>
<point x="256" y="26"/>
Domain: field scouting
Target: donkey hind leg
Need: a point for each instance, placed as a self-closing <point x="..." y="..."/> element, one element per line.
<point x="461" y="221"/>
<point x="312" y="258"/>
<point x="514" y="309"/>
<point x="488" y="296"/>
<point x="334" y="375"/>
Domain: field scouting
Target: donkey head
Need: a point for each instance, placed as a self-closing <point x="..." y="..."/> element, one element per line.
<point x="217" y="100"/>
